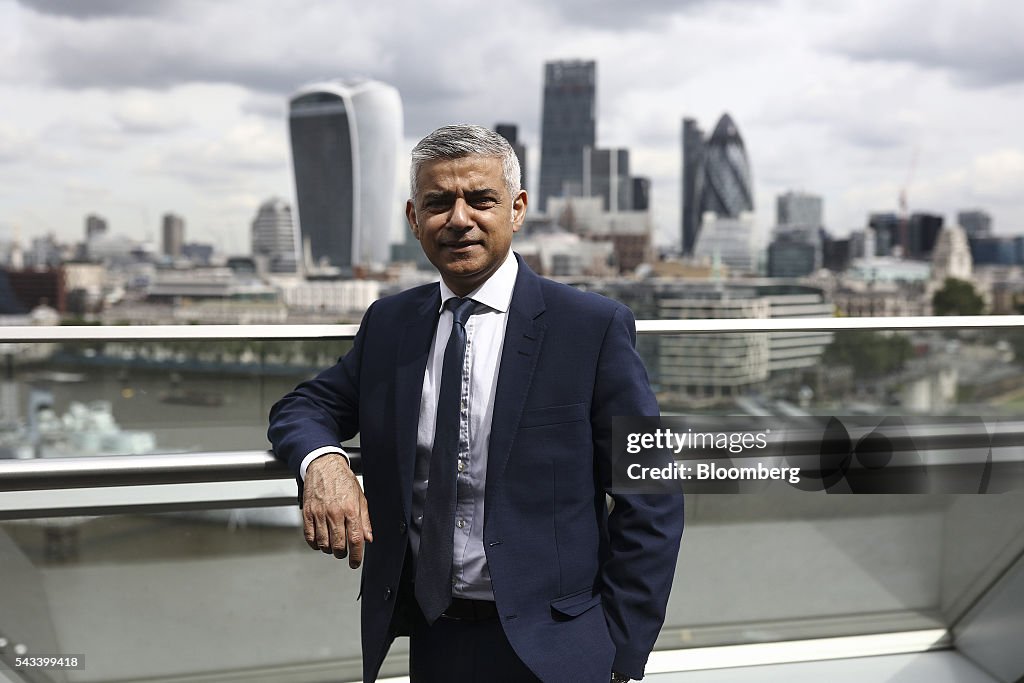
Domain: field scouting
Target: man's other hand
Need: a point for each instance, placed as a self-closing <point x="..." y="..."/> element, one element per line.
<point x="334" y="513"/>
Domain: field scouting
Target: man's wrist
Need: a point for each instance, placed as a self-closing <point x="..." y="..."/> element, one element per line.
<point x="335" y="457"/>
<point x="313" y="455"/>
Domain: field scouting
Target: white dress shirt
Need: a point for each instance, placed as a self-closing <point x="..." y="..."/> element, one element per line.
<point x="485" y="337"/>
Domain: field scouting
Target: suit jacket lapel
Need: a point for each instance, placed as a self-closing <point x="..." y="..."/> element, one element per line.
<point x="523" y="337"/>
<point x="411" y="363"/>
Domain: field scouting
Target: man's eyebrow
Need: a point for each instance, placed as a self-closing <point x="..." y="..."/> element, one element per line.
<point x="482" y="193"/>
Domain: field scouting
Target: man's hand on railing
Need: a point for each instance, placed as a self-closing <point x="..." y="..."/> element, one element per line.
<point x="334" y="513"/>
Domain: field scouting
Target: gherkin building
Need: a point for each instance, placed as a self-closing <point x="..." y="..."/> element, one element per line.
<point x="727" y="188"/>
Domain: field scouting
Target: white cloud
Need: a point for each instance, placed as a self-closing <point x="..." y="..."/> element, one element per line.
<point x="977" y="42"/>
<point x="77" y="190"/>
<point x="140" y="112"/>
<point x="249" y="147"/>
<point x="999" y="174"/>
<point x="15" y="144"/>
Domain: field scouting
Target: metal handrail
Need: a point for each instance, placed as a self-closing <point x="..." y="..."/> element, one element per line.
<point x="73" y="487"/>
<point x="90" y="333"/>
<point x="828" y="324"/>
<point x="143" y="470"/>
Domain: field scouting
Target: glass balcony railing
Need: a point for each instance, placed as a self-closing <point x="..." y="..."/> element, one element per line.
<point x="144" y="526"/>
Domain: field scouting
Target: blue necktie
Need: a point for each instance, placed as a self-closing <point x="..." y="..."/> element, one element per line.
<point x="434" y="564"/>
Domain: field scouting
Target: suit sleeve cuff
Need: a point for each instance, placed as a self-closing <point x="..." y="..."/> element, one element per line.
<point x="630" y="663"/>
<point x="313" y="455"/>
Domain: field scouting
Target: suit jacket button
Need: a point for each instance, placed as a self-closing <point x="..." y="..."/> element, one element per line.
<point x="401" y="527"/>
<point x="387" y="593"/>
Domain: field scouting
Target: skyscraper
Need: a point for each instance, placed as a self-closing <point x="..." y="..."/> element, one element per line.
<point x="716" y="177"/>
<point x="693" y="182"/>
<point x="95" y="226"/>
<point x="791" y="258"/>
<point x="922" y="232"/>
<point x="173" y="234"/>
<point x="606" y="175"/>
<point x="346" y="137"/>
<point x="976" y="223"/>
<point x="510" y="132"/>
<point x="727" y="187"/>
<point x="568" y="124"/>
<point x="641" y="193"/>
<point x="728" y="241"/>
<point x="888" y="230"/>
<point x="796" y="249"/>
<point x="807" y="235"/>
<point x="273" y="236"/>
<point x="799" y="209"/>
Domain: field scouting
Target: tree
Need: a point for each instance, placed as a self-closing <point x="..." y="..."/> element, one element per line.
<point x="957" y="297"/>
<point x="870" y="354"/>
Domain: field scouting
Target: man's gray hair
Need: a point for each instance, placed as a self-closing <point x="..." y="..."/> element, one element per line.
<point x="463" y="140"/>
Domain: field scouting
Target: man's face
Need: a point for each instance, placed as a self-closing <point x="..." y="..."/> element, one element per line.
<point x="464" y="218"/>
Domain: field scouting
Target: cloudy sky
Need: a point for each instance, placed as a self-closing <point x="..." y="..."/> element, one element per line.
<point x="131" y="108"/>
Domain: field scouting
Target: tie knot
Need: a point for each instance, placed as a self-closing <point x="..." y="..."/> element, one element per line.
<point x="461" y="309"/>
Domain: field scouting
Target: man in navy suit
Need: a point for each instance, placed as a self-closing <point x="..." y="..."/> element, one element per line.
<point x="484" y="406"/>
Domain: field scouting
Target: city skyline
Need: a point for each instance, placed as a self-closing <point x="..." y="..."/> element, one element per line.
<point x="124" y="110"/>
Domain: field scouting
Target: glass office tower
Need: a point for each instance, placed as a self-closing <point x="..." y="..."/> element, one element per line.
<point x="346" y="137"/>
<point x="568" y="125"/>
<point x="693" y="182"/>
<point x="606" y="175"/>
<point x="727" y="188"/>
<point x="716" y="177"/>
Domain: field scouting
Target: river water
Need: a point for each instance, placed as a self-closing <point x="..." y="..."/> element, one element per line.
<point x="211" y="412"/>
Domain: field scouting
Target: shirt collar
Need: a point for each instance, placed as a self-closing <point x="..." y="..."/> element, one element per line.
<point x="496" y="291"/>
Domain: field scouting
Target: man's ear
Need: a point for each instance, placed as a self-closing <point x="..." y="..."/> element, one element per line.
<point x="410" y="215"/>
<point x="519" y="210"/>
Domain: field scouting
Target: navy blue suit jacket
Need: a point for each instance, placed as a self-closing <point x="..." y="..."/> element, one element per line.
<point x="579" y="590"/>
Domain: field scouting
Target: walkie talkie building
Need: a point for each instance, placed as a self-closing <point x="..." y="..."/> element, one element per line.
<point x="346" y="137"/>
